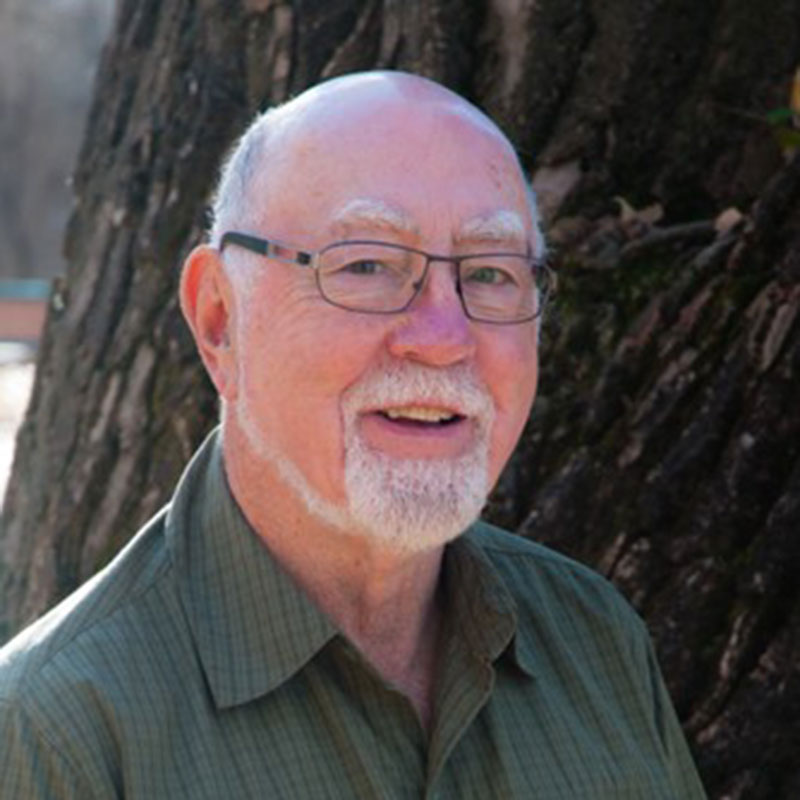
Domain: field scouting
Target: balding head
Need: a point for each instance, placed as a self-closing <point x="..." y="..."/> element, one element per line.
<point x="281" y="141"/>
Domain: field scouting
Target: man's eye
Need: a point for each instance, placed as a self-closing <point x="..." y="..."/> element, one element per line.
<point x="488" y="275"/>
<point x="364" y="266"/>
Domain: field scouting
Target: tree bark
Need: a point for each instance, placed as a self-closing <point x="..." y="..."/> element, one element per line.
<point x="664" y="448"/>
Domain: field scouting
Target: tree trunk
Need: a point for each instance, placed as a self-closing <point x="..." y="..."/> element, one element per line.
<point x="665" y="445"/>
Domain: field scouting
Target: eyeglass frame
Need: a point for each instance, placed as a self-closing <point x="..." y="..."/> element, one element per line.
<point x="271" y="248"/>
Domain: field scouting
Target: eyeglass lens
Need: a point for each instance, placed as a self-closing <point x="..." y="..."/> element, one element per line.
<point x="381" y="278"/>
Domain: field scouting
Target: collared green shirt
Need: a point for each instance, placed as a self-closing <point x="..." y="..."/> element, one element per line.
<point x="194" y="667"/>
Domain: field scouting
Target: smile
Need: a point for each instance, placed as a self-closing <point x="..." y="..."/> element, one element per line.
<point x="421" y="414"/>
<point x="418" y="430"/>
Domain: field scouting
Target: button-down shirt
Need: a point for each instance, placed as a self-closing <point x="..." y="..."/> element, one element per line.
<point x="194" y="667"/>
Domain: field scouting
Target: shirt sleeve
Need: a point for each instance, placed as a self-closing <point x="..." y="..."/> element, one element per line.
<point x="30" y="767"/>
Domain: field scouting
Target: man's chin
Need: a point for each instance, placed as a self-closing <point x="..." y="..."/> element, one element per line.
<point x="414" y="505"/>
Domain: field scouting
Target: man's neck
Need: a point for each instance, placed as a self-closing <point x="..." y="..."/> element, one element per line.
<point x="388" y="607"/>
<point x="383" y="599"/>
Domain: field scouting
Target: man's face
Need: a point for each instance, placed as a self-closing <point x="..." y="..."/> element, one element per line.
<point x="395" y="425"/>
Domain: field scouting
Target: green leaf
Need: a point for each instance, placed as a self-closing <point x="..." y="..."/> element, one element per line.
<point x="779" y="115"/>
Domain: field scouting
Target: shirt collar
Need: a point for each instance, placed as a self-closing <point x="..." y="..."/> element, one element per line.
<point x="483" y="606"/>
<point x="254" y="627"/>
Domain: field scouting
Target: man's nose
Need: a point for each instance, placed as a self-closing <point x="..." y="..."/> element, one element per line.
<point x="434" y="329"/>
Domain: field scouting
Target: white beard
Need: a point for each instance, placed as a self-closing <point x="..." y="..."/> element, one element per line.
<point x="416" y="504"/>
<point x="410" y="505"/>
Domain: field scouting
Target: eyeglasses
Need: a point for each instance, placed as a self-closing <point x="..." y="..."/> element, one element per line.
<point x="383" y="278"/>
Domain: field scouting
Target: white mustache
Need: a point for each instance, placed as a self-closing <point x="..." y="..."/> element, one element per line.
<point x="406" y="383"/>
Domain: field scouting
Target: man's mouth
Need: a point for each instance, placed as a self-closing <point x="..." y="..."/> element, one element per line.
<point x="419" y="429"/>
<point x="421" y="415"/>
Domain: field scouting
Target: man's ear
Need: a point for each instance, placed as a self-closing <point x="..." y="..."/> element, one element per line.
<point x="206" y="298"/>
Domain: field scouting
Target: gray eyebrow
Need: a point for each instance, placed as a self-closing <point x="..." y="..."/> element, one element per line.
<point x="499" y="227"/>
<point x="373" y="213"/>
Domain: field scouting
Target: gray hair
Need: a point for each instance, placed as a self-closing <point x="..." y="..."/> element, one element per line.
<point x="230" y="204"/>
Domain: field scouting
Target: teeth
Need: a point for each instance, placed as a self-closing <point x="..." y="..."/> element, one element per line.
<point x="419" y="413"/>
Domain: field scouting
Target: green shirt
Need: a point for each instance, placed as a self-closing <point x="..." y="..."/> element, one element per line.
<point x="194" y="667"/>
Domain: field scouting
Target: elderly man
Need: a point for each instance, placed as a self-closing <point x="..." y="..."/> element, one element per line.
<point x="307" y="618"/>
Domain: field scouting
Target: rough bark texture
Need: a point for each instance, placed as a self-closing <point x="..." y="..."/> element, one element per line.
<point x="665" y="445"/>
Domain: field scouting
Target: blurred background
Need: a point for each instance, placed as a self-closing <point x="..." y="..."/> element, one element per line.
<point x="49" y="53"/>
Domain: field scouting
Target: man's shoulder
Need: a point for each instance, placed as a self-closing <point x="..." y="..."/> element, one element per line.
<point x="69" y="638"/>
<point x="542" y="579"/>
